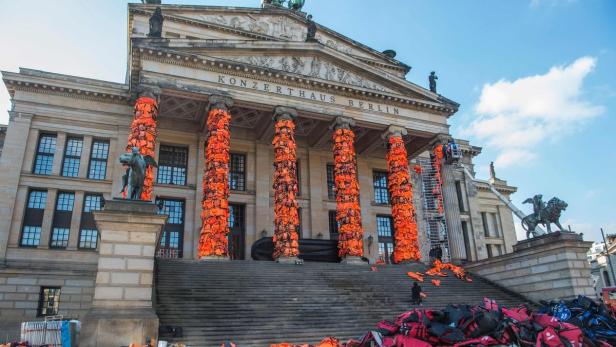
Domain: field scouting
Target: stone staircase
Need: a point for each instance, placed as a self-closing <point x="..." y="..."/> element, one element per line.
<point x="254" y="303"/>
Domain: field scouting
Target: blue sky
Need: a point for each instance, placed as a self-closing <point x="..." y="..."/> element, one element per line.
<point x="535" y="78"/>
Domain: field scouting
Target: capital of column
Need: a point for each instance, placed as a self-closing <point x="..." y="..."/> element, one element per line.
<point x="284" y="113"/>
<point x="149" y="91"/>
<point x="342" y="123"/>
<point x="220" y="102"/>
<point x="394" y="131"/>
<point x="440" y="139"/>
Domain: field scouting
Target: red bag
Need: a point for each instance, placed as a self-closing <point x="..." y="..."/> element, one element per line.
<point x="548" y="337"/>
<point x="483" y="341"/>
<point x="386" y="327"/>
<point x="545" y="320"/>
<point x="407" y="341"/>
<point x="573" y="334"/>
<point x="517" y="314"/>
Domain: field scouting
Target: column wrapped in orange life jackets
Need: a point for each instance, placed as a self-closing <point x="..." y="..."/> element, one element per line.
<point x="215" y="213"/>
<point x="286" y="219"/>
<point x="143" y="136"/>
<point x="406" y="246"/>
<point x="348" y="212"/>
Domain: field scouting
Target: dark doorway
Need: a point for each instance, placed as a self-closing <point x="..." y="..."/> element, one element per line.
<point x="237" y="231"/>
<point x="384" y="230"/>
<point x="171" y="238"/>
<point x="467" y="242"/>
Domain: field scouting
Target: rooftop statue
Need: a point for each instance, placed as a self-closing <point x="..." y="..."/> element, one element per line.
<point x="156" y="23"/>
<point x="312" y="30"/>
<point x="543" y="213"/>
<point x="133" y="179"/>
<point x="295" y="5"/>
<point x="432" y="79"/>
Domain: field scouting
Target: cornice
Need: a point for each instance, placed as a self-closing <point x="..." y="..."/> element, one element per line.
<point x="485" y="186"/>
<point x="242" y="70"/>
<point x="75" y="89"/>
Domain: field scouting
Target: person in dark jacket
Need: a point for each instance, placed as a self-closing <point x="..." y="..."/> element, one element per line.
<point x="438" y="253"/>
<point x="416" y="294"/>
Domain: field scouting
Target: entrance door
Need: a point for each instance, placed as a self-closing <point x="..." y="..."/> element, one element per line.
<point x="170" y="242"/>
<point x="237" y="231"/>
<point x="385" y="233"/>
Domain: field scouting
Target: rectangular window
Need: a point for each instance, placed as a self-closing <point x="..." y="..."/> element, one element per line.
<point x="299" y="226"/>
<point x="46" y="148"/>
<point x="484" y="221"/>
<point x="499" y="250"/>
<point x="72" y="156"/>
<point x="333" y="226"/>
<point x="172" y="165"/>
<point x="62" y="220"/>
<point x="460" y="196"/>
<point x="237" y="172"/>
<point x="496" y="223"/>
<point x="170" y="243"/>
<point x="385" y="238"/>
<point x="331" y="185"/>
<point x="88" y="234"/>
<point x="98" y="160"/>
<point x="381" y="194"/>
<point x="49" y="301"/>
<point x="33" y="218"/>
<point x="490" y="253"/>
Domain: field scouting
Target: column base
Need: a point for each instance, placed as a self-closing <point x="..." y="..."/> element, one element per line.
<point x="287" y="260"/>
<point x="353" y="260"/>
<point x="214" y="258"/>
<point x="118" y="327"/>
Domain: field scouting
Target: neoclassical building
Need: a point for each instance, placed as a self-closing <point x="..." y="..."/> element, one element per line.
<point x="65" y="134"/>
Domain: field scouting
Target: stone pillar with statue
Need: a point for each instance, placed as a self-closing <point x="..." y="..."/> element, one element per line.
<point x="348" y="211"/>
<point x="286" y="219"/>
<point x="406" y="245"/>
<point x="213" y="242"/>
<point x="122" y="309"/>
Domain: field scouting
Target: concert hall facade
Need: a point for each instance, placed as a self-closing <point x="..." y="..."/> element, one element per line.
<point x="264" y="67"/>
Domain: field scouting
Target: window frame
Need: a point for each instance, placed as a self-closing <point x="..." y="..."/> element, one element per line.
<point x="42" y="300"/>
<point x="241" y="174"/>
<point x="71" y="156"/>
<point x="331" y="181"/>
<point x="95" y="159"/>
<point x="45" y="154"/>
<point x="61" y="221"/>
<point x="33" y="218"/>
<point x="172" y="165"/>
<point x="375" y="187"/>
<point x="333" y="225"/>
<point x="169" y="228"/>
<point x="86" y="222"/>
<point x="382" y="239"/>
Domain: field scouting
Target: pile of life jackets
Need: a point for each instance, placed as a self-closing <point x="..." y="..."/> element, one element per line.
<point x="215" y="213"/>
<point x="406" y="246"/>
<point x="596" y="320"/>
<point x="437" y="271"/>
<point x="348" y="213"/>
<point x="437" y="162"/>
<point x="488" y="324"/>
<point x="286" y="219"/>
<point x="143" y="136"/>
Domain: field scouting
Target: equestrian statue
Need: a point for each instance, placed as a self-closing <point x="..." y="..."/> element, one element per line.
<point x="137" y="165"/>
<point x="545" y="214"/>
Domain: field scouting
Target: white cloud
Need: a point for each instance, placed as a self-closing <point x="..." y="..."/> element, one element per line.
<point x="516" y="116"/>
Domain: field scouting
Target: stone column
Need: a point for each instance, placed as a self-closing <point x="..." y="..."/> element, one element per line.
<point x="213" y="242"/>
<point x="144" y="131"/>
<point x="11" y="163"/>
<point x="263" y="186"/>
<point x="457" y="250"/>
<point x="122" y="310"/>
<point x="348" y="211"/>
<point x="406" y="247"/>
<point x="56" y="169"/>
<point x="286" y="220"/>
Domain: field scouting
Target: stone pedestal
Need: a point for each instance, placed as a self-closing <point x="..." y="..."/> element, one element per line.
<point x="551" y="266"/>
<point x="122" y="310"/>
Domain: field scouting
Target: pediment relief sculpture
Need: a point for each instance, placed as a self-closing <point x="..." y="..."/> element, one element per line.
<point x="310" y="66"/>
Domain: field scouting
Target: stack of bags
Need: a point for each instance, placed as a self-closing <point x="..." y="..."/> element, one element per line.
<point x="402" y="210"/>
<point x="143" y="136"/>
<point x="348" y="213"/>
<point x="286" y="219"/>
<point x="215" y="213"/>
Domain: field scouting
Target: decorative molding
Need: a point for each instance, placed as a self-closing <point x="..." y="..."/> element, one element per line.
<point x="49" y="88"/>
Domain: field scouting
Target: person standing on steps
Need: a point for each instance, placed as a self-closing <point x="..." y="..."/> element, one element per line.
<point x="416" y="294"/>
<point x="438" y="253"/>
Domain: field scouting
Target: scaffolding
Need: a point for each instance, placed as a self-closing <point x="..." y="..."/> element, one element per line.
<point x="432" y="196"/>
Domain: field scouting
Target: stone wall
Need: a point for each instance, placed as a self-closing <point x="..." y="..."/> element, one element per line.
<point x="543" y="268"/>
<point x="20" y="290"/>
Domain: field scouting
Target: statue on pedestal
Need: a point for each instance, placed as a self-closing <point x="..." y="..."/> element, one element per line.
<point x="432" y="79"/>
<point x="543" y="213"/>
<point x="137" y="165"/>
<point x="156" y="23"/>
<point x="312" y="30"/>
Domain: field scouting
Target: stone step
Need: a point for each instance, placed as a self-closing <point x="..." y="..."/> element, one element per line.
<point x="258" y="303"/>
